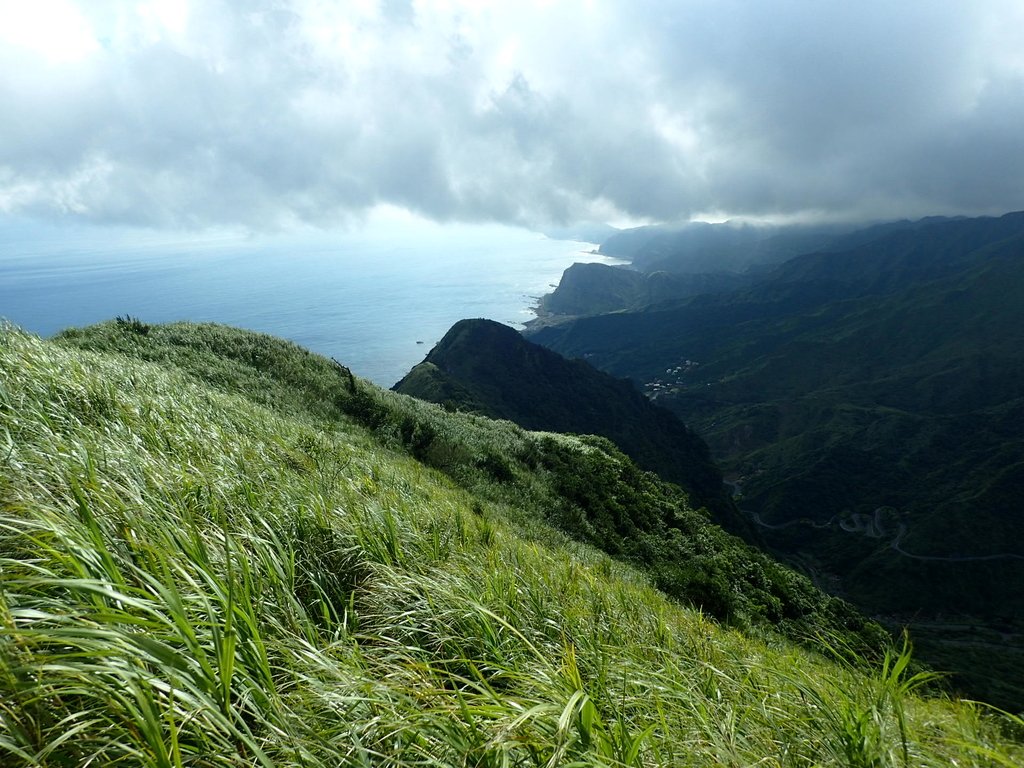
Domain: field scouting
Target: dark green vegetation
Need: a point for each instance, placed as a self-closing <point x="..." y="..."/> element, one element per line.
<point x="869" y="402"/>
<point x="219" y="550"/>
<point x="488" y="368"/>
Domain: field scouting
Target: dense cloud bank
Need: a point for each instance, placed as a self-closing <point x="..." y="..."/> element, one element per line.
<point x="266" y="113"/>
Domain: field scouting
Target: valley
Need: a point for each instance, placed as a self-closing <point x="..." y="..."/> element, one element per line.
<point x="881" y="371"/>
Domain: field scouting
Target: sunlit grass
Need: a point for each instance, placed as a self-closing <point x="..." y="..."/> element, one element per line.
<point x="190" y="578"/>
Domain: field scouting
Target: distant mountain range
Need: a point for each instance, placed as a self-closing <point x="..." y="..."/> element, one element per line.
<point x="867" y="401"/>
<point x="865" y="398"/>
<point x="700" y="247"/>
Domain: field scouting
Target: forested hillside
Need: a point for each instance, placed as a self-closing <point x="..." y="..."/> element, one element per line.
<point x="868" y="404"/>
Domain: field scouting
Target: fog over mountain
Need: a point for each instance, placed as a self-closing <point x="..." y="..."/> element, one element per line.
<point x="263" y="114"/>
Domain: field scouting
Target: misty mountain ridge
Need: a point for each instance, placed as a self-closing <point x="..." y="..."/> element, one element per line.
<point x="738" y="246"/>
<point x="674" y="262"/>
<point x="735" y="246"/>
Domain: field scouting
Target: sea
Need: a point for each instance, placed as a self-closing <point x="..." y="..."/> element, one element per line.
<point x="375" y="299"/>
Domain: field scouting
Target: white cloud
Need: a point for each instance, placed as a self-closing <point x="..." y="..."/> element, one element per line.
<point x="52" y="29"/>
<point x="170" y="15"/>
<point x="267" y="113"/>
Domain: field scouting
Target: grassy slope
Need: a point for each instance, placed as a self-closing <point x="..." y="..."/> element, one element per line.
<point x="584" y="486"/>
<point x="236" y="575"/>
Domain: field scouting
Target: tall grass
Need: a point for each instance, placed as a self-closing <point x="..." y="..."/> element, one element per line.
<point x="189" y="578"/>
<point x="582" y="485"/>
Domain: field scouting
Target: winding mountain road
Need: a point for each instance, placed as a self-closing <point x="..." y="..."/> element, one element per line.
<point x="897" y="547"/>
<point x="874" y="527"/>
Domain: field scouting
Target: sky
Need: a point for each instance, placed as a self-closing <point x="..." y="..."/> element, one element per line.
<point x="271" y="115"/>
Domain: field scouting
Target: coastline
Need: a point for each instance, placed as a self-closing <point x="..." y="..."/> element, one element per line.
<point x="545" y="319"/>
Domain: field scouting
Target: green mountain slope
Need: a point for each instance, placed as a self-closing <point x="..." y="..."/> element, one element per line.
<point x="597" y="496"/>
<point x="218" y="549"/>
<point x="868" y="402"/>
<point x="489" y="368"/>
